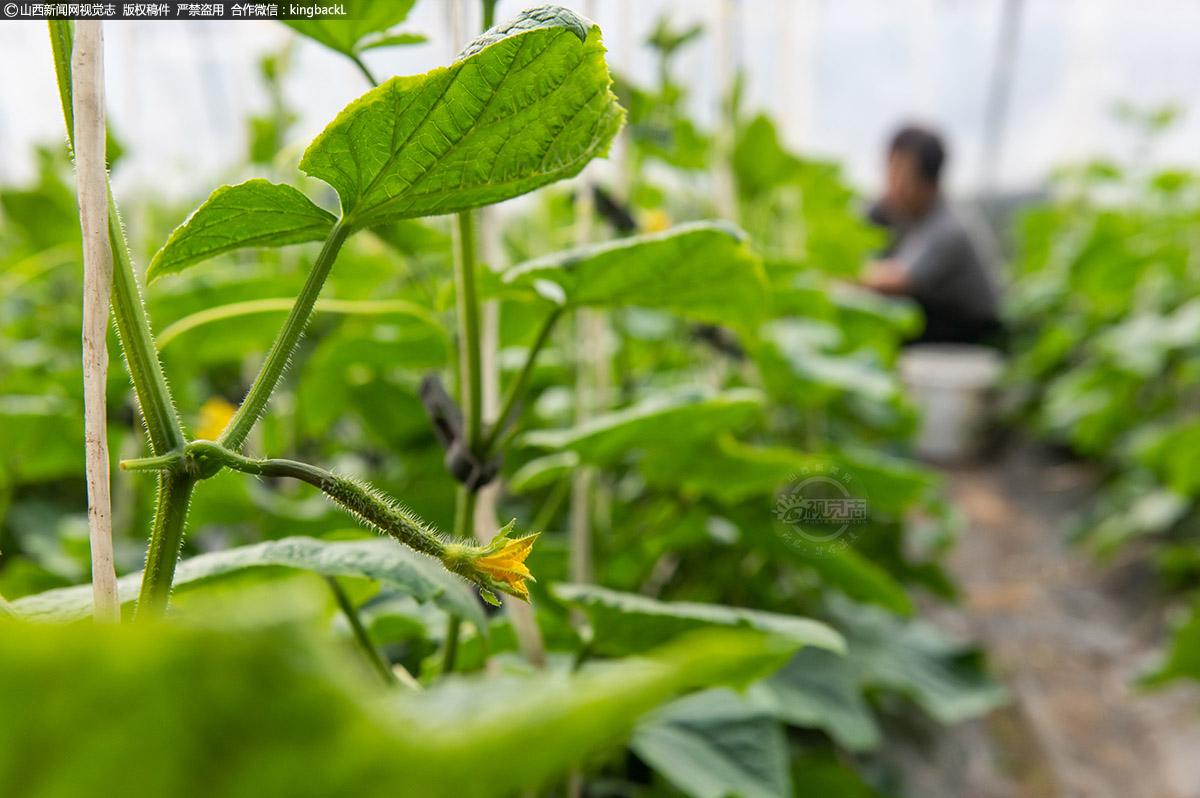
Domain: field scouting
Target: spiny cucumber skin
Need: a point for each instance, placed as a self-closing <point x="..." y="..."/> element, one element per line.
<point x="383" y="514"/>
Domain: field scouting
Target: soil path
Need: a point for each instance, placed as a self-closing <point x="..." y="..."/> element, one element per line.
<point x="1068" y="637"/>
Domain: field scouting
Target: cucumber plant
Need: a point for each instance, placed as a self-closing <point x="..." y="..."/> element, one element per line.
<point x="524" y="105"/>
<point x="689" y="462"/>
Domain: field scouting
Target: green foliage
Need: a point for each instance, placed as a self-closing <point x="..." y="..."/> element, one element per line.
<point x="659" y="126"/>
<point x="716" y="743"/>
<point x="702" y="270"/>
<point x="375" y="560"/>
<point x="916" y="660"/>
<point x="256" y="213"/>
<point x="366" y="25"/>
<point x="243" y="713"/>
<point x="1107" y="335"/>
<point x="627" y="623"/>
<point x="664" y="420"/>
<point x="817" y="690"/>
<point x="1183" y="659"/>
<point x="776" y="187"/>
<point x="523" y="108"/>
<point x="1105" y="329"/>
<point x="701" y="430"/>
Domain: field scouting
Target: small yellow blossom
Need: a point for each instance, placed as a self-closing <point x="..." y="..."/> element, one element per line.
<point x="214" y="417"/>
<point x="506" y="566"/>
<point x="656" y="221"/>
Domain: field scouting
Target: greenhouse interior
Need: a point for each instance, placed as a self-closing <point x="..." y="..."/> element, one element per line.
<point x="614" y="399"/>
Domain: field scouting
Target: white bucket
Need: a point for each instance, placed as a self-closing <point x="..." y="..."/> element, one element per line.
<point x="953" y="385"/>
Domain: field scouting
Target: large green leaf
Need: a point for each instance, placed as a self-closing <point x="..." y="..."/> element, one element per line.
<point x="379" y="560"/>
<point x="944" y="678"/>
<point x="256" y="213"/>
<point x="716" y="744"/>
<point x="667" y="419"/>
<point x="525" y="105"/>
<point x="630" y="622"/>
<point x="816" y="690"/>
<point x="255" y="714"/>
<point x="703" y="270"/>
<point x="365" y="25"/>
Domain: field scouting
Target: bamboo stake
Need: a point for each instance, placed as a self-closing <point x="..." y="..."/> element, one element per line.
<point x="589" y="328"/>
<point x="521" y="615"/>
<point x="88" y="105"/>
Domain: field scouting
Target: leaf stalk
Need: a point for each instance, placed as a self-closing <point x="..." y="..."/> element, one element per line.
<point x="264" y="384"/>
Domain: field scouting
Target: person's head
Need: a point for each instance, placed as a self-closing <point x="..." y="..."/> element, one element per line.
<point x="914" y="170"/>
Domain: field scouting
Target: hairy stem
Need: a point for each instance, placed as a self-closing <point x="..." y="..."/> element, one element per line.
<point x="133" y="326"/>
<point x="360" y="634"/>
<point x="464" y="518"/>
<point x="201" y="459"/>
<point x="359" y="500"/>
<point x="166" y="537"/>
<point x="145" y="369"/>
<point x="281" y="350"/>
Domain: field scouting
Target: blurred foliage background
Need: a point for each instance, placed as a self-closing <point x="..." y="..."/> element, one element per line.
<point x="712" y="409"/>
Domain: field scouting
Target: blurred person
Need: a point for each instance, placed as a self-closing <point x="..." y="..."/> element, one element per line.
<point x="934" y="256"/>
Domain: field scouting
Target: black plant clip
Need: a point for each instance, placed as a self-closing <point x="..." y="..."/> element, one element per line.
<point x="464" y="464"/>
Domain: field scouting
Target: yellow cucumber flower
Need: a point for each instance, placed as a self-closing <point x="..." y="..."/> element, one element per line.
<point x="656" y="221"/>
<point x="507" y="566"/>
<point x="497" y="567"/>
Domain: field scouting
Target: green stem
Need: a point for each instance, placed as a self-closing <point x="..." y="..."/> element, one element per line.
<point x="464" y="517"/>
<point x="467" y="302"/>
<point x="554" y="501"/>
<point x="137" y="342"/>
<point x="517" y="390"/>
<point x="133" y="326"/>
<point x="464" y="513"/>
<point x="360" y="634"/>
<point x="170" y="461"/>
<point x="281" y="351"/>
<point x="489" y="13"/>
<point x="202" y="459"/>
<point x="145" y="371"/>
<point x="358" y="62"/>
<point x="450" y="651"/>
<point x="166" y="537"/>
<point x="359" y="500"/>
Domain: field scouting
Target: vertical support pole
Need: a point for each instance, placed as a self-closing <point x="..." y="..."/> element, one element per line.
<point x="529" y="636"/>
<point x="88" y="109"/>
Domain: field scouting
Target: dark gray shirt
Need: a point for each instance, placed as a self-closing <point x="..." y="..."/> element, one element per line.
<point x="949" y="265"/>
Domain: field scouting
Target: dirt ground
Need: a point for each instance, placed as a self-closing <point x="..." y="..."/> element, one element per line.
<point x="1068" y="637"/>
